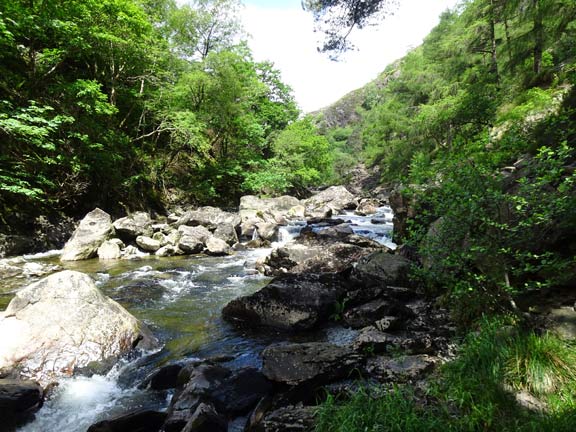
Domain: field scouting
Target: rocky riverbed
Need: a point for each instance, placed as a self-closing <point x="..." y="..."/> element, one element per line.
<point x="254" y="328"/>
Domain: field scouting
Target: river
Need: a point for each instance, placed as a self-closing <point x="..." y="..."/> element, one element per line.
<point x="180" y="299"/>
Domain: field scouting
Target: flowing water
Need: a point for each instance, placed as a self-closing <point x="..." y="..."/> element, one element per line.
<point x="180" y="299"/>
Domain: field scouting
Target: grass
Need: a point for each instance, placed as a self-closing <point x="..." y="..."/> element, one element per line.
<point x="475" y="392"/>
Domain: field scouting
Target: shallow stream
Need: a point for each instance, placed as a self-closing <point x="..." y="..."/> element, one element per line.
<point x="180" y="298"/>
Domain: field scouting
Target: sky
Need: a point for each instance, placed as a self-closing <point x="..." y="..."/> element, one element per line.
<point x="283" y="33"/>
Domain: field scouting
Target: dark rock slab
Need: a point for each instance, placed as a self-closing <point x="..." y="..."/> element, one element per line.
<point x="288" y="419"/>
<point x="206" y="419"/>
<point x="297" y="363"/>
<point x="368" y="313"/>
<point x="18" y="396"/>
<point x="382" y="267"/>
<point x="139" y="421"/>
<point x="289" y="302"/>
<point x="241" y="392"/>
<point x="401" y="369"/>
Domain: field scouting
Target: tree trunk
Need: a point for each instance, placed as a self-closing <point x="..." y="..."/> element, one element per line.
<point x="538" y="37"/>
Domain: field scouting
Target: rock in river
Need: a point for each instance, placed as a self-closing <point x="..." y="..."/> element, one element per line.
<point x="90" y="234"/>
<point x="63" y="322"/>
<point x="289" y="302"/>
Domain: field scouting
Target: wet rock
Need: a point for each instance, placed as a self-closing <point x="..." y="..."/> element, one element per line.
<point x="367" y="206"/>
<point x="267" y="231"/>
<point x="381" y="267"/>
<point x="206" y="419"/>
<point x="217" y="247"/>
<point x="239" y="393"/>
<point x="18" y="397"/>
<point x="134" y="225"/>
<point x="336" y="198"/>
<point x="169" y="250"/>
<point x="132" y="252"/>
<point x="139" y="421"/>
<point x="401" y="369"/>
<point x="203" y="380"/>
<point x="209" y="217"/>
<point x="366" y="314"/>
<point x="289" y="302"/>
<point x="255" y="209"/>
<point x="93" y="230"/>
<point x="163" y="379"/>
<point x="43" y="343"/>
<point x="147" y="244"/>
<point x="226" y="232"/>
<point x="198" y="233"/>
<point x="297" y="363"/>
<point x="109" y="250"/>
<point x="372" y="340"/>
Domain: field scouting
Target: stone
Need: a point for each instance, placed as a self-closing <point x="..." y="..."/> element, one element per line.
<point x="367" y="206"/>
<point x="290" y="419"/>
<point x="288" y="302"/>
<point x="164" y="378"/>
<point x="168" y="250"/>
<point x="226" y="232"/>
<point x="267" y="231"/>
<point x="19" y="396"/>
<point x="336" y="198"/>
<point x="138" y="421"/>
<point x="210" y="217"/>
<point x="44" y="344"/>
<point x="297" y="363"/>
<point x="94" y="229"/>
<point x="252" y="207"/>
<point x="401" y="369"/>
<point x="368" y="313"/>
<point x="381" y="267"/>
<point x="147" y="244"/>
<point x="109" y="250"/>
<point x="193" y="239"/>
<point x="240" y="392"/>
<point x="206" y="419"/>
<point x="161" y="238"/>
<point x="134" y="225"/>
<point x="132" y="252"/>
<point x="217" y="247"/>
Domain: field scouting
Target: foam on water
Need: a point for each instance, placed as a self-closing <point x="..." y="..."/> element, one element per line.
<point x="41" y="255"/>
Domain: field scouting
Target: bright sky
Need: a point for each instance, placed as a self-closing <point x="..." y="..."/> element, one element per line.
<point x="283" y="33"/>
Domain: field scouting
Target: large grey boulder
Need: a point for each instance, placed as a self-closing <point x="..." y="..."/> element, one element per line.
<point x="148" y="244"/>
<point x="93" y="230"/>
<point x="109" y="250"/>
<point x="217" y="247"/>
<point x="289" y="302"/>
<point x="137" y="224"/>
<point x="252" y="207"/>
<point x="336" y="198"/>
<point x="193" y="238"/>
<point x="210" y="217"/>
<point x="63" y="322"/>
<point x="226" y="232"/>
<point x="297" y="363"/>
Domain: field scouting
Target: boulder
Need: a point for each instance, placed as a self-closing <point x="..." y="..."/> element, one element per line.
<point x="289" y="302"/>
<point x="193" y="239"/>
<point x="252" y="207"/>
<point x="336" y="198"/>
<point x="206" y="419"/>
<point x="132" y="252"/>
<point x="139" y="421"/>
<point x="169" y="250"/>
<point x="217" y="247"/>
<point x="109" y="250"/>
<point x="400" y="369"/>
<point x="292" y="418"/>
<point x="44" y="344"/>
<point x="381" y="267"/>
<point x="367" y="206"/>
<point x="267" y="231"/>
<point x="93" y="230"/>
<point x="164" y="378"/>
<point x="18" y="396"/>
<point x="297" y="363"/>
<point x="147" y="244"/>
<point x="366" y="314"/>
<point x="210" y="217"/>
<point x="134" y="225"/>
<point x="226" y="232"/>
<point x="240" y="392"/>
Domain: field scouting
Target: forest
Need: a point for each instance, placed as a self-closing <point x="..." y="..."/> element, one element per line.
<point x="144" y="104"/>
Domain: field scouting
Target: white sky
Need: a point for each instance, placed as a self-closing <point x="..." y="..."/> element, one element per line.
<point x="283" y="33"/>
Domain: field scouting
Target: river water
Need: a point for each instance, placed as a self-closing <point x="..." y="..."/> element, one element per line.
<point x="180" y="299"/>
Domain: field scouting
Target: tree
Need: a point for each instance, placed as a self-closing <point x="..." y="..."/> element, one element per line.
<point x="337" y="18"/>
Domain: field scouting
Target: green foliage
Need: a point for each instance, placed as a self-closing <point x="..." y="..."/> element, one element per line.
<point x="475" y="391"/>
